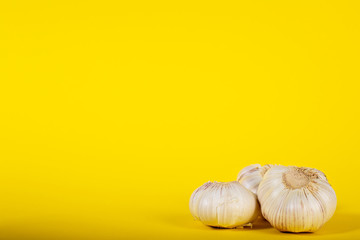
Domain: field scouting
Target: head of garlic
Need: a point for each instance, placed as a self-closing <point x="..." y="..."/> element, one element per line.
<point x="224" y="204"/>
<point x="296" y="199"/>
<point x="251" y="176"/>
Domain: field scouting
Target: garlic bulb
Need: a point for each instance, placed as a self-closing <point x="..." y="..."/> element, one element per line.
<point x="251" y="176"/>
<point x="224" y="204"/>
<point x="296" y="199"/>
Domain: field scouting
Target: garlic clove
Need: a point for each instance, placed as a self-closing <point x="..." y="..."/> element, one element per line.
<point x="251" y="176"/>
<point x="296" y="199"/>
<point x="225" y="205"/>
<point x="195" y="198"/>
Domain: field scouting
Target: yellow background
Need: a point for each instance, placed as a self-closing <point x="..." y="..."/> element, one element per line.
<point x="113" y="112"/>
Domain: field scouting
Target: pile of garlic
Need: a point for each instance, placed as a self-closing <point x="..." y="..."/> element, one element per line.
<point x="292" y="199"/>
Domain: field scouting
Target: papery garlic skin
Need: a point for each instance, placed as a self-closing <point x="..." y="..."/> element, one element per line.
<point x="224" y="204"/>
<point x="296" y="199"/>
<point x="251" y="176"/>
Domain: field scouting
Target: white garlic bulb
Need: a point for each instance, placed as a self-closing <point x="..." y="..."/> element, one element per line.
<point x="224" y="204"/>
<point x="296" y="199"/>
<point x="251" y="176"/>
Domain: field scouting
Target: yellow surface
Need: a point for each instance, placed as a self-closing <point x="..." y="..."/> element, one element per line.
<point x="113" y="112"/>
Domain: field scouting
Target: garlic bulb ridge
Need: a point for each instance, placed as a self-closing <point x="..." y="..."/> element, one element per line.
<point x="296" y="199"/>
<point x="224" y="204"/>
